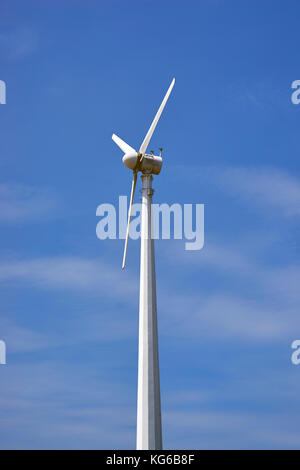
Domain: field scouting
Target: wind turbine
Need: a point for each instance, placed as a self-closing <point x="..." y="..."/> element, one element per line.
<point x="149" y="433"/>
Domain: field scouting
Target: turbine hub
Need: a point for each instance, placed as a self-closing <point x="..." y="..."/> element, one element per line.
<point x="130" y="160"/>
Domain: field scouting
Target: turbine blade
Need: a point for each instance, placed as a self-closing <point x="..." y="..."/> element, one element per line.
<point x="129" y="216"/>
<point x="120" y="143"/>
<point x="155" y="120"/>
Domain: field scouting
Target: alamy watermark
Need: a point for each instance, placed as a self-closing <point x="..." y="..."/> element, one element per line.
<point x="295" y="97"/>
<point x="188" y="222"/>
<point x="2" y="352"/>
<point x="2" y="92"/>
<point x="295" y="357"/>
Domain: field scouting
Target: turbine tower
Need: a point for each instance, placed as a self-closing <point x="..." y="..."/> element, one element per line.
<point x="149" y="432"/>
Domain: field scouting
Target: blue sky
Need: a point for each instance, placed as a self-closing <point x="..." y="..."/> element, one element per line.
<point x="77" y="71"/>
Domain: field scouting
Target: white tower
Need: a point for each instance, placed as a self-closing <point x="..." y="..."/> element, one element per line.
<point x="149" y="432"/>
<point x="149" y="435"/>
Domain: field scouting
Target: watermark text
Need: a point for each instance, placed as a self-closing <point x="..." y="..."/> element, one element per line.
<point x="295" y="357"/>
<point x="2" y="92"/>
<point x="187" y="222"/>
<point x="295" y="97"/>
<point x="2" y="352"/>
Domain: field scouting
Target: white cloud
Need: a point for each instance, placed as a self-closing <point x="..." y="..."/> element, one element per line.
<point x="74" y="273"/>
<point x="226" y="317"/>
<point x="85" y="327"/>
<point x="271" y="314"/>
<point x="260" y="303"/>
<point x="81" y="408"/>
<point x="20" y="338"/>
<point x="20" y="202"/>
<point x="17" y="44"/>
<point x="264" y="187"/>
<point x="230" y="430"/>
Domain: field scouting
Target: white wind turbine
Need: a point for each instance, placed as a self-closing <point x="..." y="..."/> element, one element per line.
<point x="149" y="433"/>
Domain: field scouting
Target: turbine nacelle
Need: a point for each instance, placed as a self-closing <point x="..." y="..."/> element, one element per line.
<point x="144" y="163"/>
<point x="151" y="164"/>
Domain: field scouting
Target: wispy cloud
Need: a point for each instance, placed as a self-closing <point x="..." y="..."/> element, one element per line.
<point x="227" y="317"/>
<point x="74" y="273"/>
<point x="231" y="430"/>
<point x="218" y="313"/>
<point x="260" y="304"/>
<point x="107" y="325"/>
<point x="82" y="409"/>
<point x="20" y="338"/>
<point x="241" y="261"/>
<point x="20" y="202"/>
<point x="17" y="44"/>
<point x="264" y="187"/>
